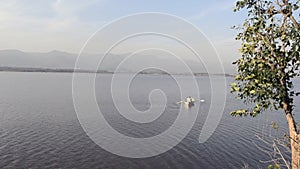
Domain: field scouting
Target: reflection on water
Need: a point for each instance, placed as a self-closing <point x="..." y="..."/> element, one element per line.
<point x="39" y="127"/>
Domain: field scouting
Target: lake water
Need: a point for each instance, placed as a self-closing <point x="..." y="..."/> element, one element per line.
<point x="39" y="127"/>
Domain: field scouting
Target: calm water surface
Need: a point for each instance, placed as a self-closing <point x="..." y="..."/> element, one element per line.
<point x="39" y="127"/>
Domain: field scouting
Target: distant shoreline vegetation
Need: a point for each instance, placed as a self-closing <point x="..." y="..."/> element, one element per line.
<point x="66" y="70"/>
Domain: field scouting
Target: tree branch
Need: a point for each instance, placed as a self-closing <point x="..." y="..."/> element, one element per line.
<point x="294" y="21"/>
<point x="282" y="157"/>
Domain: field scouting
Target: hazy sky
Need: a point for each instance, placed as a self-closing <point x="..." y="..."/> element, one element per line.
<point x="45" y="25"/>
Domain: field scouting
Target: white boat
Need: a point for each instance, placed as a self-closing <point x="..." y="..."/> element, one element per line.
<point x="188" y="101"/>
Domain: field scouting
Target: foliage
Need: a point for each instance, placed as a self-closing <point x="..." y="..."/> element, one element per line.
<point x="270" y="38"/>
<point x="275" y="166"/>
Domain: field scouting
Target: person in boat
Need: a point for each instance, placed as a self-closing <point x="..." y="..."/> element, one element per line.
<point x="189" y="99"/>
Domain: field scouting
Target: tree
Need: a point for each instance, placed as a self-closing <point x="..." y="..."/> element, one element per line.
<point x="270" y="60"/>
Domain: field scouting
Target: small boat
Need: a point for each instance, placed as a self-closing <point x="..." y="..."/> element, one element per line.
<point x="188" y="101"/>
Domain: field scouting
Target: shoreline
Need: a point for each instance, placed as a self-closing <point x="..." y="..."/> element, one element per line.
<point x="63" y="70"/>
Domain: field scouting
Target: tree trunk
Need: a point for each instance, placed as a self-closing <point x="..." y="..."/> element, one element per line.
<point x="294" y="139"/>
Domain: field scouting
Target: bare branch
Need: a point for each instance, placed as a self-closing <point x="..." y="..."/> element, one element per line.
<point x="282" y="157"/>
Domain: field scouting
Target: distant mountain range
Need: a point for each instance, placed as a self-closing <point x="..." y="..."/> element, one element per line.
<point x="62" y="70"/>
<point x="58" y="61"/>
